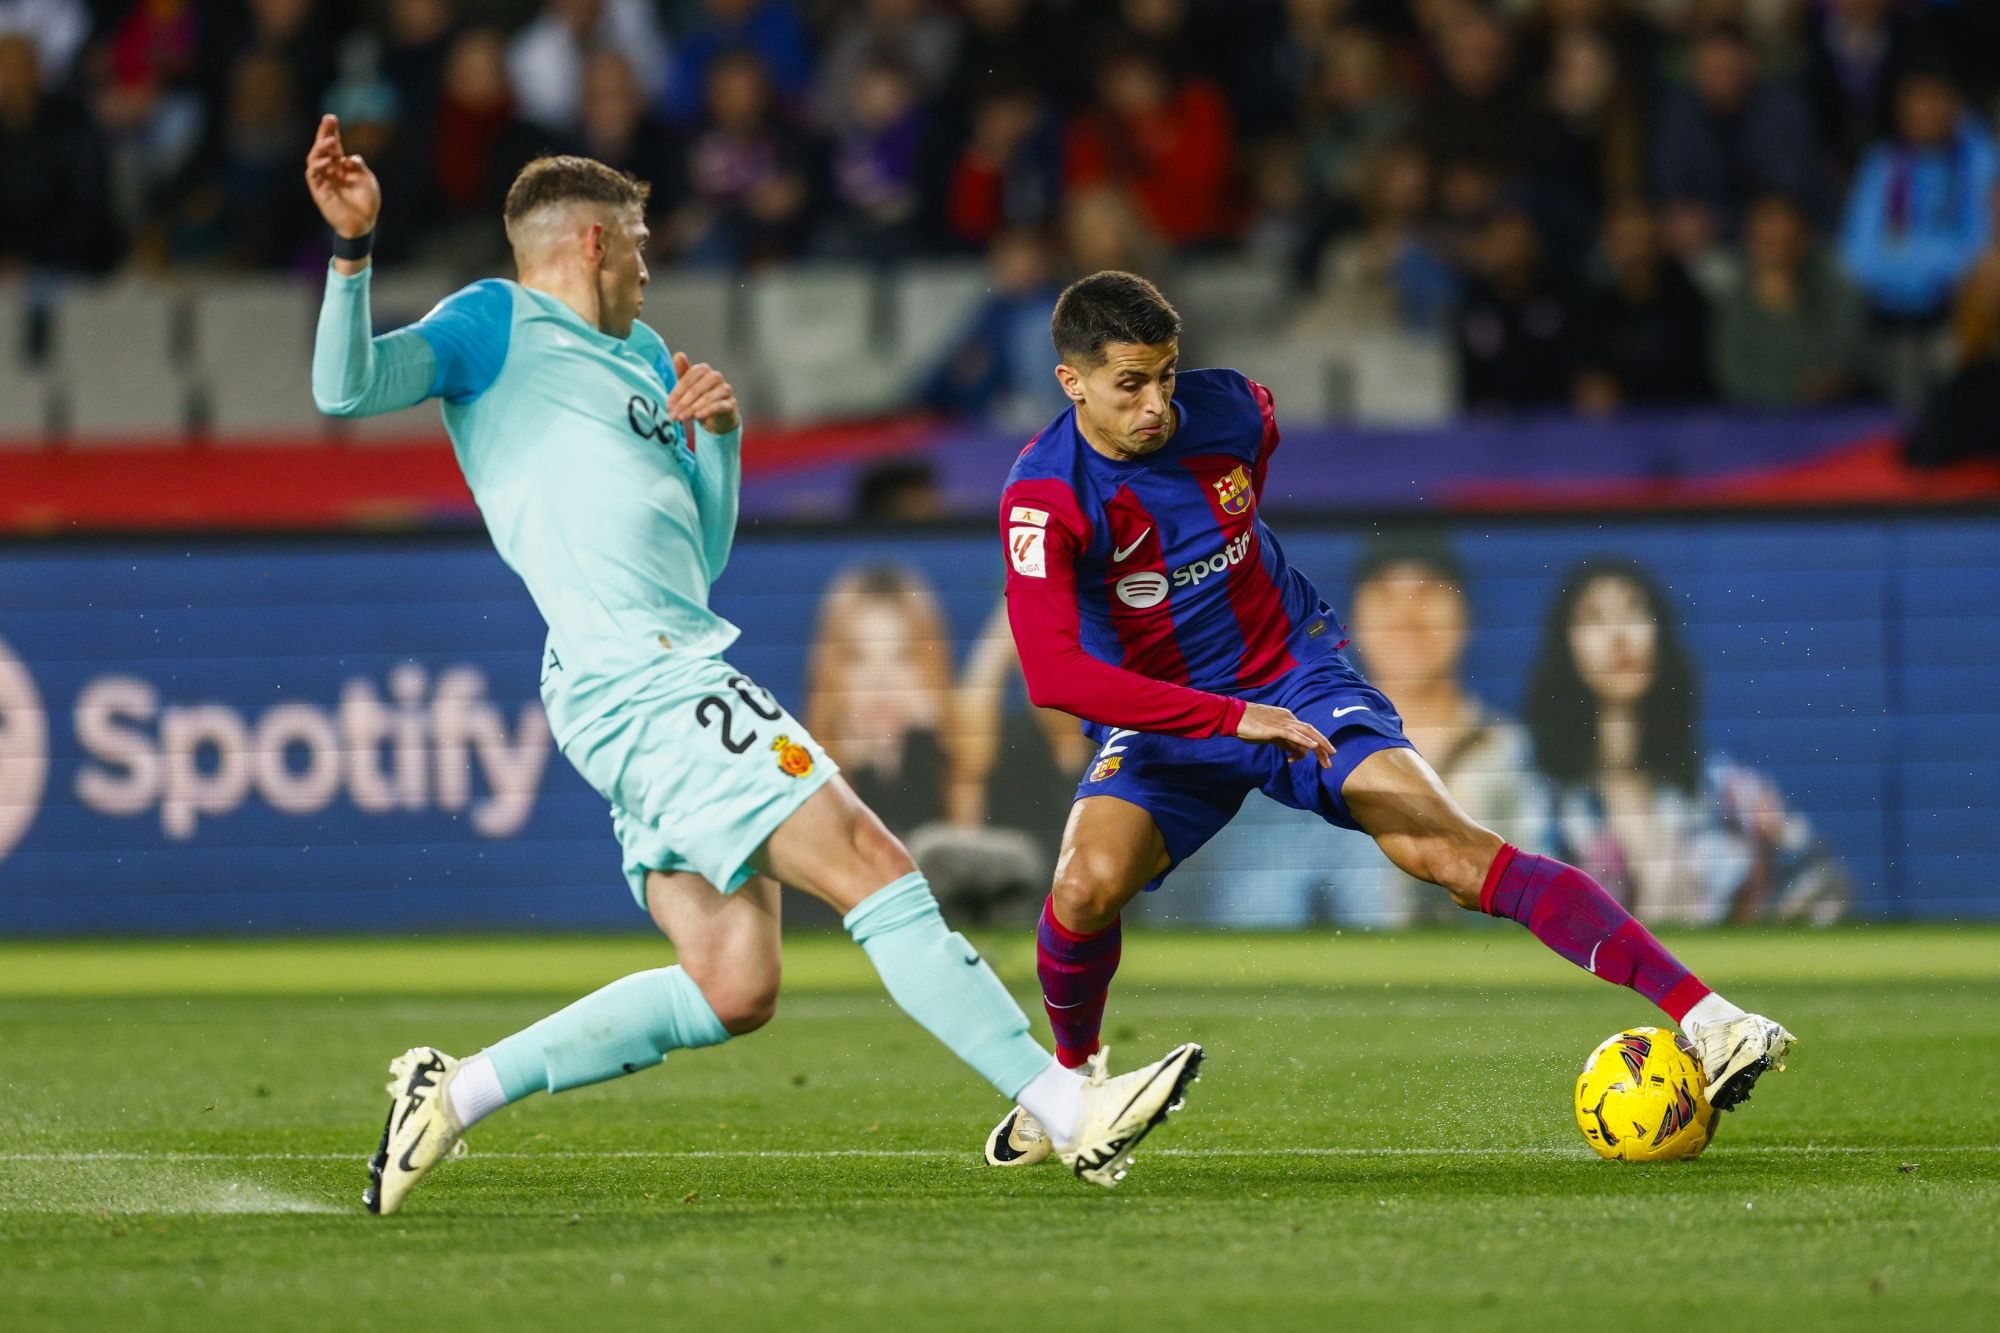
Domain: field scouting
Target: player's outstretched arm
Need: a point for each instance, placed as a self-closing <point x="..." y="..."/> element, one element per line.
<point x="701" y="398"/>
<point x="354" y="373"/>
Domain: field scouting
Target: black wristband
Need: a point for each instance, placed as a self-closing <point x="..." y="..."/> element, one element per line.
<point x="354" y="247"/>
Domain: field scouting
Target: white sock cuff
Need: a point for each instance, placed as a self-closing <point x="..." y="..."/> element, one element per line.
<point x="1709" y="1009"/>
<point x="475" y="1090"/>
<point x="1055" y="1097"/>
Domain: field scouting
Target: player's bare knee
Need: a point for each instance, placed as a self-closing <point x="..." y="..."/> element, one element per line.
<point x="742" y="988"/>
<point x="738" y="973"/>
<point x="1088" y="896"/>
<point x="745" y="1007"/>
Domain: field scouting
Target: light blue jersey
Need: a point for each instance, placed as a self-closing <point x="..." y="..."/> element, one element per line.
<point x="618" y="523"/>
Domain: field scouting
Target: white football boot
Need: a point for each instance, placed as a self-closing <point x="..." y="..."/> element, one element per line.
<point x="420" y="1132"/>
<point x="1118" y="1112"/>
<point x="1735" y="1054"/>
<point x="1018" y="1140"/>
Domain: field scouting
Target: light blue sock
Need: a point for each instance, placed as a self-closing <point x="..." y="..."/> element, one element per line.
<point x="628" y="1026"/>
<point x="941" y="981"/>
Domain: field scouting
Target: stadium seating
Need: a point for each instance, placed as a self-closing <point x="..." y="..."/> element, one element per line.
<point x="929" y="307"/>
<point x="816" y="346"/>
<point x="1223" y="304"/>
<point x="253" y="360"/>
<point x="228" y="358"/>
<point x="144" y="327"/>
<point x="24" y="391"/>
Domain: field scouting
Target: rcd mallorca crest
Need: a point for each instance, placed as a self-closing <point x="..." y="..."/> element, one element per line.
<point x="1232" y="490"/>
<point x="24" y="750"/>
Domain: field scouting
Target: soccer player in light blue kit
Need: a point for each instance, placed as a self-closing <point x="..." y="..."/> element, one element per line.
<point x="606" y="469"/>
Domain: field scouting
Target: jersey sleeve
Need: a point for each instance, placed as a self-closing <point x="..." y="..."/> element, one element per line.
<point x="1045" y="533"/>
<point x="717" y="480"/>
<point x="1268" y="445"/>
<point x="468" y="333"/>
<point x="355" y="374"/>
<point x="714" y="467"/>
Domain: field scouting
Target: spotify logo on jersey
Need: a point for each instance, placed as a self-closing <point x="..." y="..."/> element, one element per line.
<point x="24" y="750"/>
<point x="1142" y="590"/>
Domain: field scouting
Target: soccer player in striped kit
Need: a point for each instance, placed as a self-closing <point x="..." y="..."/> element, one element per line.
<point x="606" y="468"/>
<point x="1148" y="599"/>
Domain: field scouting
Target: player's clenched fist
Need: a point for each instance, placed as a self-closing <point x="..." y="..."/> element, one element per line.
<point x="1270" y="725"/>
<point x="345" y="190"/>
<point x="701" y="394"/>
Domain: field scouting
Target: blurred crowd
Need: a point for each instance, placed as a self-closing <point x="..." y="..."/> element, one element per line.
<point x="1600" y="203"/>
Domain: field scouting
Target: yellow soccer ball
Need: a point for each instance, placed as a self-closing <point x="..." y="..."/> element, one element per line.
<point x="1640" y="1098"/>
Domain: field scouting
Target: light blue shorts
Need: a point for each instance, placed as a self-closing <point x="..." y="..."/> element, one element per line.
<point x="700" y="763"/>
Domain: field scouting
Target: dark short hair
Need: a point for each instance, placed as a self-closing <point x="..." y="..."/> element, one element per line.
<point x="1110" y="307"/>
<point x="1428" y="551"/>
<point x="564" y="179"/>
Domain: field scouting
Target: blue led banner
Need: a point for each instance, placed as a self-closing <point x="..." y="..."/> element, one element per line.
<point x="270" y="736"/>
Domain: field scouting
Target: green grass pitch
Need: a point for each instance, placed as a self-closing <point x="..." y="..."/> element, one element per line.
<point x="1383" y="1139"/>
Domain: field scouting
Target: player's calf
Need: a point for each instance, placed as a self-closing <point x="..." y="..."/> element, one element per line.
<point x="1396" y="797"/>
<point x="1075" y="969"/>
<point x="1455" y="859"/>
<point x="1572" y="914"/>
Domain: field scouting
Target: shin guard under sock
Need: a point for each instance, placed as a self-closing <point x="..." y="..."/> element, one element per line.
<point x="627" y="1026"/>
<point x="1076" y="971"/>
<point x="1572" y="914"/>
<point x="941" y="981"/>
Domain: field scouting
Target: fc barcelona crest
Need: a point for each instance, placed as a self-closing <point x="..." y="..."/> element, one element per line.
<point x="1232" y="490"/>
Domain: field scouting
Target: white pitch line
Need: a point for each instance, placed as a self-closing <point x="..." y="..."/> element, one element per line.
<point x="808" y="1154"/>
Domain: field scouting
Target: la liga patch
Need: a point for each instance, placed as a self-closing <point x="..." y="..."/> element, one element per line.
<point x="1028" y="552"/>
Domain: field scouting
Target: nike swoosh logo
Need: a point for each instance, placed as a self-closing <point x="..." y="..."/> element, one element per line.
<point x="406" y="1163"/>
<point x="1007" y="1152"/>
<point x="1003" y="1144"/>
<point x="1116" y="556"/>
<point x="1352" y="708"/>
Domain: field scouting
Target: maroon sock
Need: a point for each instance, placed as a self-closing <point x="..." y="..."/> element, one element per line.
<point x="1572" y="914"/>
<point x="1076" y="972"/>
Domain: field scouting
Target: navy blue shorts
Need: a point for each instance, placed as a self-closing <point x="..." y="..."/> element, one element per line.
<point x="1192" y="788"/>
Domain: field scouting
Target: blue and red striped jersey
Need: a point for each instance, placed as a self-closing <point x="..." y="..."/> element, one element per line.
<point x="1147" y="593"/>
